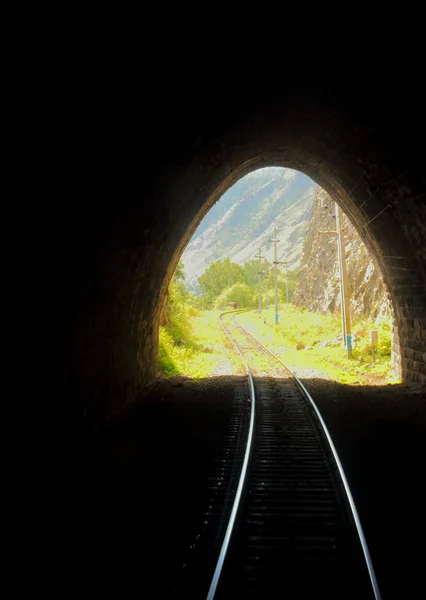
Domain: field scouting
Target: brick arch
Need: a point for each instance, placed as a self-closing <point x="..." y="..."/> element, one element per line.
<point x="151" y="207"/>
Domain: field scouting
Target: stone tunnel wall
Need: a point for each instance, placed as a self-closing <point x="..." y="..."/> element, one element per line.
<point x="149" y="178"/>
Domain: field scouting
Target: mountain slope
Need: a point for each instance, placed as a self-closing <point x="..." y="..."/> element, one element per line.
<point x="242" y="221"/>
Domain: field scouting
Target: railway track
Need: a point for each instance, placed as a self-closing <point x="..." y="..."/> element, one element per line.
<point x="282" y="522"/>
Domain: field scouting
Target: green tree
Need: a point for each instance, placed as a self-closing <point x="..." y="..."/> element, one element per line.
<point x="219" y="276"/>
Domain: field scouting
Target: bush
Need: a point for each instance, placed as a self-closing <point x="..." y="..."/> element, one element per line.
<point x="180" y="314"/>
<point x="361" y="331"/>
<point x="384" y="328"/>
<point x="166" y="364"/>
<point x="239" y="293"/>
<point x="176" y="338"/>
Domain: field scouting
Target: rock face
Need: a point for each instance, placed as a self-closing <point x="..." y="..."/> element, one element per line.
<point x="318" y="286"/>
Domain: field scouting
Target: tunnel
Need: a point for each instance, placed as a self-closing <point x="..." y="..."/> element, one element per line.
<point x="146" y="156"/>
<point x="147" y="178"/>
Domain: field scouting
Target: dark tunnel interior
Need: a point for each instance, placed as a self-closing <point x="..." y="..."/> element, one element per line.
<point x="144" y="165"/>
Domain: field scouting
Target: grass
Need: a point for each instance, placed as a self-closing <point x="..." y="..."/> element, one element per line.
<point x="206" y="352"/>
<point x="308" y="341"/>
<point x="305" y="341"/>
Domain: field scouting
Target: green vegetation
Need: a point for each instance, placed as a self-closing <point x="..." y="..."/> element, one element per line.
<point x="208" y="353"/>
<point x="224" y="281"/>
<point x="217" y="277"/>
<point x="192" y="343"/>
<point x="311" y="341"/>
<point x="239" y="293"/>
<point x="176" y="332"/>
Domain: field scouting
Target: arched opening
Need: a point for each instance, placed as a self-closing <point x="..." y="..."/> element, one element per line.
<point x="379" y="229"/>
<point x="233" y="244"/>
<point x="376" y="177"/>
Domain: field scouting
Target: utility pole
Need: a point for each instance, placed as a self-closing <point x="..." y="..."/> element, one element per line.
<point x="344" y="283"/>
<point x="259" y="274"/>
<point x="275" y="241"/>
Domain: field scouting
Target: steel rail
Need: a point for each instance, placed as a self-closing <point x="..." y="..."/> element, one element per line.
<point x="236" y="504"/>
<point x="351" y="501"/>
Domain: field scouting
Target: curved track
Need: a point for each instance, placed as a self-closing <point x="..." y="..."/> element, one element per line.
<point x="293" y="530"/>
<point x="278" y="518"/>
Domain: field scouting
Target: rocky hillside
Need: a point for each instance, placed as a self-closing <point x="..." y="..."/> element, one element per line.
<point x="318" y="286"/>
<point x="242" y="221"/>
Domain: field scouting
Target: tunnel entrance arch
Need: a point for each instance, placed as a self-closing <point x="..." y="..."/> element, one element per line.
<point x="243" y="221"/>
<point x="385" y="240"/>
<point x="373" y="177"/>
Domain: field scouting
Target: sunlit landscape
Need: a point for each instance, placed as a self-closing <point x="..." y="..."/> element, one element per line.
<point x="307" y="342"/>
<point x="290" y="287"/>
